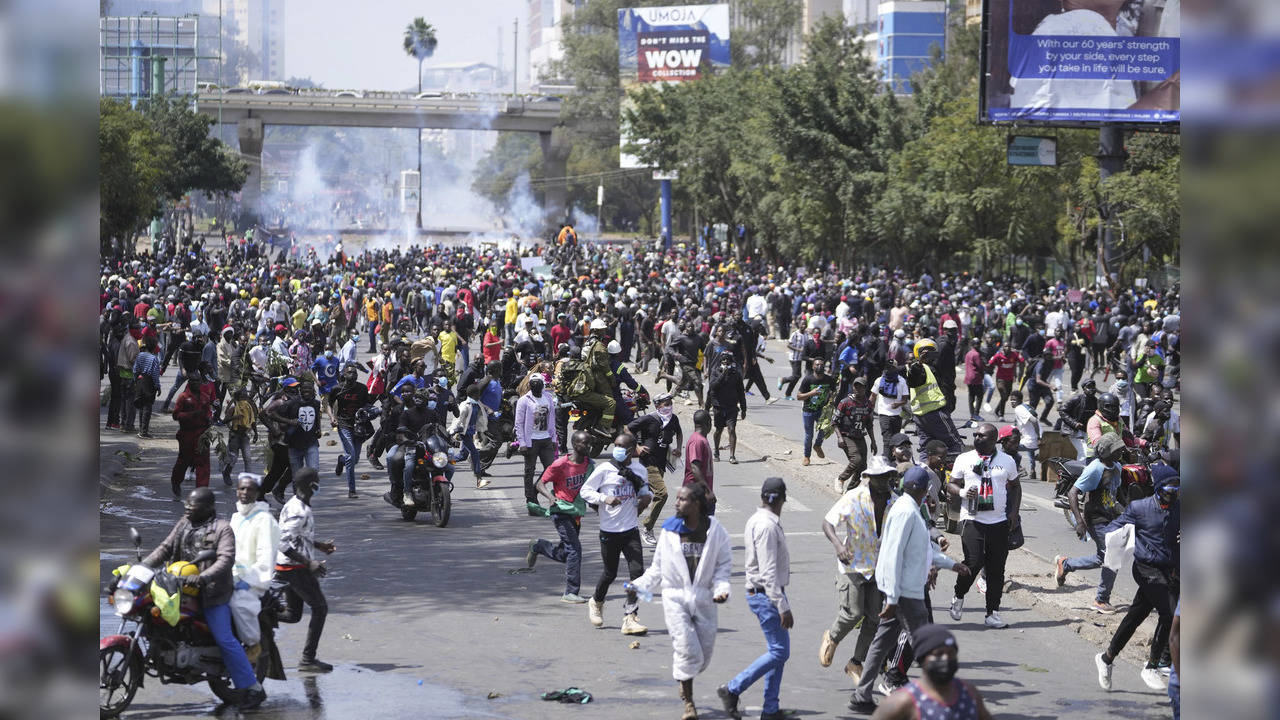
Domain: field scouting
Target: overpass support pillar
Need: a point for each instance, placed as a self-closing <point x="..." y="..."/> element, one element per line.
<point x="250" y="135"/>
<point x="555" y="194"/>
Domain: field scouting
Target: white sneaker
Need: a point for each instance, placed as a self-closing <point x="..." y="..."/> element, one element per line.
<point x="957" y="607"/>
<point x="1153" y="679"/>
<point x="595" y="612"/>
<point x="772" y="400"/>
<point x="1104" y="672"/>
<point x="646" y="537"/>
<point x="993" y="621"/>
<point x="982" y="584"/>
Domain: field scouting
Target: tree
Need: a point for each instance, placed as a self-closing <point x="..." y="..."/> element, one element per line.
<point x="763" y="30"/>
<point x="513" y="155"/>
<point x="132" y="159"/>
<point x="198" y="161"/>
<point x="419" y="43"/>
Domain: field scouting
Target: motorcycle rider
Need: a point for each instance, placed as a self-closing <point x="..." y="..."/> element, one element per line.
<point x="536" y="432"/>
<point x="1103" y="422"/>
<point x="199" y="529"/>
<point x="257" y="541"/>
<point x="595" y="355"/>
<point x="419" y="412"/>
<point x="928" y="403"/>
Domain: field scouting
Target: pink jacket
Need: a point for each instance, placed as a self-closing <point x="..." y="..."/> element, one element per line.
<point x="973" y="367"/>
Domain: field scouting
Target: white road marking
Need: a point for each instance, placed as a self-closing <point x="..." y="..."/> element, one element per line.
<point x="495" y="503"/>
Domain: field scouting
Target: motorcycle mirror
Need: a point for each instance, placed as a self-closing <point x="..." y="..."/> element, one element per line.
<point x="135" y="536"/>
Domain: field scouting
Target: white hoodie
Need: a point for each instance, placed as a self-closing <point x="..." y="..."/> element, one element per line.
<point x="257" y="541"/>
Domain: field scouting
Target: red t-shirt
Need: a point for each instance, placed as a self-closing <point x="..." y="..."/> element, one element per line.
<point x="1005" y="363"/>
<point x="566" y="477"/>
<point x="494" y="353"/>
<point x="697" y="448"/>
<point x="559" y="336"/>
<point x="1055" y="349"/>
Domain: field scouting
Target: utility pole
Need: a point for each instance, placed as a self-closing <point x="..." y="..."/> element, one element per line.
<point x="515" y="54"/>
<point x="1111" y="157"/>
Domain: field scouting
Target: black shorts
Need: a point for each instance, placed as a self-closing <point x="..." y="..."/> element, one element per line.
<point x="722" y="418"/>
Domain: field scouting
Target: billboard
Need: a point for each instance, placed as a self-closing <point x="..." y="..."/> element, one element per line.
<point x="669" y="44"/>
<point x="1103" y="61"/>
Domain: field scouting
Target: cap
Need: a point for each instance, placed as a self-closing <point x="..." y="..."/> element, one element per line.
<point x="950" y="325"/>
<point x="1006" y="431"/>
<point x="899" y="439"/>
<point x="773" y="485"/>
<point x="1108" y="444"/>
<point x="1161" y="474"/>
<point x="254" y="477"/>
<point x="664" y="397"/>
<point x="915" y="479"/>
<point x="860" y="381"/>
<point x="289" y="382"/>
<point x="930" y="637"/>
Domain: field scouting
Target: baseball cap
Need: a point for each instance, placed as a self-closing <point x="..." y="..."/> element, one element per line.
<point x="773" y="485"/>
<point x="899" y="439"/>
<point x="1006" y="431"/>
<point x="289" y="382"/>
<point x="915" y="479"/>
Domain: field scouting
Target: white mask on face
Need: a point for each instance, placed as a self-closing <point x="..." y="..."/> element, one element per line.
<point x="666" y="411"/>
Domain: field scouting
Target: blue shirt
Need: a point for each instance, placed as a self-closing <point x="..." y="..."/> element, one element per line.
<point x="326" y="372"/>
<point x="1155" y="531"/>
<point x="906" y="552"/>
<point x="415" y="381"/>
<point x="1093" y="475"/>
<point x="491" y="396"/>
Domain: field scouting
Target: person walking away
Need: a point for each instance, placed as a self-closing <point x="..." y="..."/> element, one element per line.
<point x="938" y="693"/>
<point x="200" y="528"/>
<point x="297" y="567"/>
<point x="768" y="572"/>
<point x="472" y="422"/>
<point x="618" y="487"/>
<point x="536" y="433"/>
<point x="1024" y="418"/>
<point x="727" y="394"/>
<point x="1156" y="522"/>
<point x="691" y="567"/>
<point x="815" y="390"/>
<point x="902" y="572"/>
<point x="985" y="478"/>
<point x="241" y="418"/>
<point x="257" y="541"/>
<point x="658" y="437"/>
<point x="146" y="374"/>
<point x="973" y="373"/>
<point x="565" y="477"/>
<point x="892" y="395"/>
<point x="852" y="421"/>
<point x="1099" y="483"/>
<point x="347" y="399"/>
<point x="860" y="513"/>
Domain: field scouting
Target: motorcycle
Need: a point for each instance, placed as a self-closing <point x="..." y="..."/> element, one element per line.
<point x="636" y="401"/>
<point x="432" y="486"/>
<point x="1135" y="477"/>
<point x="183" y="653"/>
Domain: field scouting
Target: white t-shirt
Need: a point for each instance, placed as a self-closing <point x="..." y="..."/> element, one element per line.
<point x="969" y="470"/>
<point x="1029" y="425"/>
<point x="884" y="404"/>
<point x="543" y="417"/>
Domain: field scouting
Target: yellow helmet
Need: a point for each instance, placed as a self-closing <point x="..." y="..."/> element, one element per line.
<point x="181" y="568"/>
<point x="244" y="293"/>
<point x="253" y="302"/>
<point x="923" y="344"/>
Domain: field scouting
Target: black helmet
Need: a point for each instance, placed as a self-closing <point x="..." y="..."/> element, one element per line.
<point x="1109" y="406"/>
<point x="1090" y="386"/>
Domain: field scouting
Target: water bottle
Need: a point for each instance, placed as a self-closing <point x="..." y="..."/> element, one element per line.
<point x="645" y="595"/>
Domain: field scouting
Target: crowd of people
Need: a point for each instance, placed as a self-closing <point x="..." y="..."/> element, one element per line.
<point x="501" y="350"/>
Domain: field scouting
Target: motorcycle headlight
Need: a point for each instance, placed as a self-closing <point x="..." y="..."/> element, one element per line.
<point x="122" y="599"/>
<point x="439" y="459"/>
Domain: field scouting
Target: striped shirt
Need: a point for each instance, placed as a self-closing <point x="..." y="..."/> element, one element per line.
<point x="147" y="364"/>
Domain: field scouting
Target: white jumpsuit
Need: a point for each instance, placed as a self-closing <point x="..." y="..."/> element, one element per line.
<point x="687" y="602"/>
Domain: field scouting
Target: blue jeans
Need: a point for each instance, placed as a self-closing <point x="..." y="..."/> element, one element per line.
<point x="464" y="349"/>
<point x="568" y="551"/>
<point x="469" y="443"/>
<point x="350" y="455"/>
<point x="769" y="665"/>
<point x="306" y="457"/>
<point x="1095" y="561"/>
<point x="1175" y="697"/>
<point x="810" y="420"/>
<point x="218" y="618"/>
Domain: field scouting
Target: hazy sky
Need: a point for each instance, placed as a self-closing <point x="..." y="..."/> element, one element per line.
<point x="359" y="45"/>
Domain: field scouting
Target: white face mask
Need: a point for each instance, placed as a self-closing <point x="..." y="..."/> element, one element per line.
<point x="666" y="411"/>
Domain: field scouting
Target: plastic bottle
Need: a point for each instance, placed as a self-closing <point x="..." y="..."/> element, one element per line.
<point x="645" y="595"/>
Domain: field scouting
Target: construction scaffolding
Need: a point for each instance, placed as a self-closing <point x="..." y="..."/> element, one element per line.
<point x="152" y="55"/>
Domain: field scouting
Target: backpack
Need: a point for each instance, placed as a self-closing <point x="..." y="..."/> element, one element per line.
<point x="571" y="378"/>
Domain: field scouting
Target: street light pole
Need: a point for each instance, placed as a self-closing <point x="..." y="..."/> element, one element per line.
<point x="515" y="54"/>
<point x="419" y="148"/>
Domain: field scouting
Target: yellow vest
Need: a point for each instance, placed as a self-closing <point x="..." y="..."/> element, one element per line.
<point x="928" y="397"/>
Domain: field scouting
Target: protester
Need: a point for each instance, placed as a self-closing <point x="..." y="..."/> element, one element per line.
<point x="565" y="476"/>
<point x="619" y="489"/>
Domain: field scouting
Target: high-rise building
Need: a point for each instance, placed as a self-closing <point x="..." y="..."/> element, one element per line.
<point x="972" y="12"/>
<point x="259" y="26"/>
<point x="544" y="46"/>
<point x="906" y="35"/>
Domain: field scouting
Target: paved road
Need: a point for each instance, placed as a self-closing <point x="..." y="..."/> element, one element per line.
<point x="431" y="622"/>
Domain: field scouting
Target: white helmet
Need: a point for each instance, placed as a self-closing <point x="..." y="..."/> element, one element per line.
<point x="599" y="324"/>
<point x="614" y="347"/>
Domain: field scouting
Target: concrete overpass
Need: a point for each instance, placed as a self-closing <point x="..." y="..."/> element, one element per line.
<point x="325" y="108"/>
